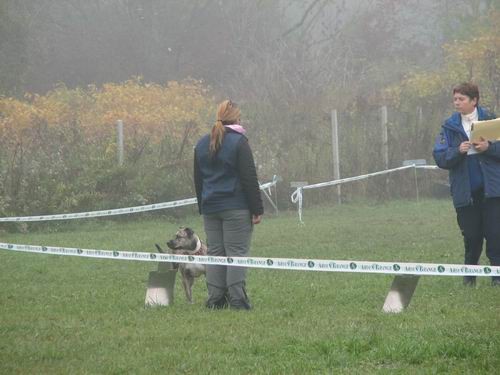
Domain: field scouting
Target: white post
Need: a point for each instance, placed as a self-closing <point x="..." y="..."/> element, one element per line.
<point x="335" y="150"/>
<point x="161" y="286"/>
<point x="400" y="294"/>
<point x="385" y="146"/>
<point x="420" y="115"/>
<point x="416" y="183"/>
<point x="119" y="143"/>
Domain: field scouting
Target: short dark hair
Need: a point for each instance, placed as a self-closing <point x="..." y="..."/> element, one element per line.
<point x="467" y="88"/>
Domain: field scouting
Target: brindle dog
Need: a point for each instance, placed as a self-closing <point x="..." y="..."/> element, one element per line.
<point x="186" y="242"/>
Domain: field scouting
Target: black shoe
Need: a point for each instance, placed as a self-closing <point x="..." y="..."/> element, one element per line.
<point x="238" y="297"/>
<point x="495" y="281"/>
<point x="470" y="281"/>
<point x="240" y="305"/>
<point x="219" y="304"/>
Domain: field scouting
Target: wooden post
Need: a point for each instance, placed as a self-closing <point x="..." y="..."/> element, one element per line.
<point x="418" y="130"/>
<point x="385" y="145"/>
<point x="335" y="151"/>
<point x="119" y="142"/>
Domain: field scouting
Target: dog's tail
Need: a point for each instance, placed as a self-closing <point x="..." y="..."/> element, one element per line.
<point x="159" y="248"/>
<point x="174" y="265"/>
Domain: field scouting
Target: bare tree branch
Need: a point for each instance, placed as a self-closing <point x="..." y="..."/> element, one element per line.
<point x="304" y="17"/>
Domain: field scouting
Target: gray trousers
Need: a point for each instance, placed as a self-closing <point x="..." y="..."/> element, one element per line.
<point x="228" y="235"/>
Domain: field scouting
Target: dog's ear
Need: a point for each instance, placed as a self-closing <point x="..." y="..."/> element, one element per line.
<point x="189" y="232"/>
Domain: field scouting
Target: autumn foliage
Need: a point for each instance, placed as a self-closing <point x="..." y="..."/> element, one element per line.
<point x="58" y="151"/>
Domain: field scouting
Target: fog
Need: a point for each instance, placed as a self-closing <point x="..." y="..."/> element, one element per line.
<point x="288" y="63"/>
<point x="238" y="47"/>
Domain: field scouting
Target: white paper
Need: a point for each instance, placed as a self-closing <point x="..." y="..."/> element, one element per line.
<point x="472" y="151"/>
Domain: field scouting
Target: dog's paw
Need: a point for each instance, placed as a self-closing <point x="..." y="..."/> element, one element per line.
<point x="159" y="248"/>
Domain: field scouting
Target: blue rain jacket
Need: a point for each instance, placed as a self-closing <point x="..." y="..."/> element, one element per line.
<point x="463" y="169"/>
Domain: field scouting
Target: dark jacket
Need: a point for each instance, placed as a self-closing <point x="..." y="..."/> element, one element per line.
<point x="465" y="170"/>
<point x="229" y="180"/>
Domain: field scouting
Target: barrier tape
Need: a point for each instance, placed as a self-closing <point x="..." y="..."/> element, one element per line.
<point x="427" y="167"/>
<point x="117" y="211"/>
<point x="268" y="185"/>
<point x="297" y="197"/>
<point x="396" y="268"/>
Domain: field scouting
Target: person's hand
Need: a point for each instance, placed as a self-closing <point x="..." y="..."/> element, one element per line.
<point x="464" y="147"/>
<point x="256" y="219"/>
<point x="481" y="145"/>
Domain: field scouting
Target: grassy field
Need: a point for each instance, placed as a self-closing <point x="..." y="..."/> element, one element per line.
<point x="67" y="315"/>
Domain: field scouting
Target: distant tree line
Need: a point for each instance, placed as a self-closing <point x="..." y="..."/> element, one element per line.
<point x="288" y="63"/>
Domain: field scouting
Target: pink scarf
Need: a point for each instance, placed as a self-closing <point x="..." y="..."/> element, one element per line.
<point x="237" y="128"/>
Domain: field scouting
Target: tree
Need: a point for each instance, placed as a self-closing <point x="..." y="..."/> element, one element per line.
<point x="13" y="58"/>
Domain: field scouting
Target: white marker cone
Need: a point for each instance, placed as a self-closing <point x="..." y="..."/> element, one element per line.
<point x="161" y="285"/>
<point x="401" y="292"/>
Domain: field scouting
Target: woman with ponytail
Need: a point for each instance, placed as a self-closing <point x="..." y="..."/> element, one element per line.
<point x="229" y="199"/>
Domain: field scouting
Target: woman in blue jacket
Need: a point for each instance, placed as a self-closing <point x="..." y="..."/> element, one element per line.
<point x="229" y="199"/>
<point x="474" y="173"/>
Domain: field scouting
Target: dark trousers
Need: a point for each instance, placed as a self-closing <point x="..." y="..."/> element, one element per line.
<point x="228" y="235"/>
<point x="480" y="221"/>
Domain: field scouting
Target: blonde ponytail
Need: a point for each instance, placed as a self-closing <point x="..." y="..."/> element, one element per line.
<point x="227" y="113"/>
<point x="216" y="137"/>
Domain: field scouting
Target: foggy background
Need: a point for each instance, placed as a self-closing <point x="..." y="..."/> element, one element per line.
<point x="288" y="63"/>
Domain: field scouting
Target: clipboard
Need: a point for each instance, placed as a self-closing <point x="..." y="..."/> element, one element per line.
<point x="489" y="130"/>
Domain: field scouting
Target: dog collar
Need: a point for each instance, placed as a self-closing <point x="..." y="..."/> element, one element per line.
<point x="198" y="245"/>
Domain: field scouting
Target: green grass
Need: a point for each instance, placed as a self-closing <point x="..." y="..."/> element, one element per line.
<point x="68" y="315"/>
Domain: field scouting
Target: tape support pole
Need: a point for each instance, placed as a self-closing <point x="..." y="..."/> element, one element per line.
<point x="324" y="265"/>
